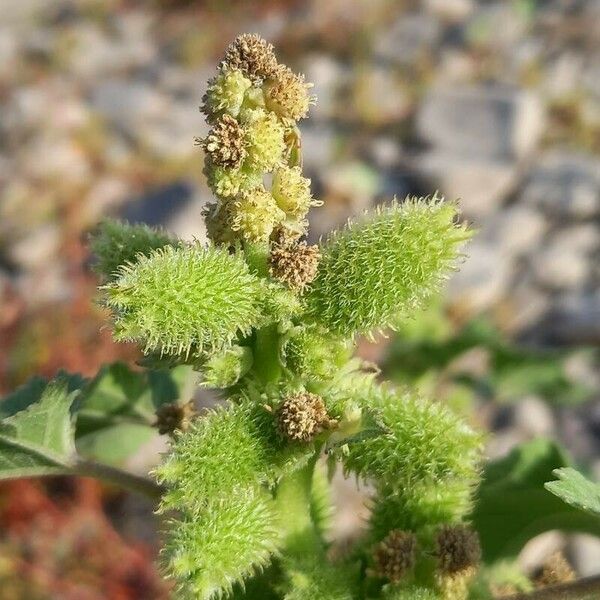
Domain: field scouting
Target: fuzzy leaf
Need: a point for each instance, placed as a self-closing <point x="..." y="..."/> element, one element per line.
<point x="117" y="243"/>
<point x="574" y="489"/>
<point x="39" y="439"/>
<point x="388" y="264"/>
<point x="185" y="300"/>
<point x="513" y="506"/>
<point x="210" y="551"/>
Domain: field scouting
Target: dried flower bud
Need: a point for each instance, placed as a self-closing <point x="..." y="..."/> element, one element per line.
<point x="555" y="570"/>
<point x="174" y="416"/>
<point x="264" y="141"/>
<point x="395" y="556"/>
<point x="217" y="221"/>
<point x="225" y="143"/>
<point x="302" y="417"/>
<point x="286" y="94"/>
<point x="254" y="214"/>
<point x="252" y="55"/>
<point x="457" y="548"/>
<point x="225" y="94"/>
<point x="292" y="192"/>
<point x="294" y="264"/>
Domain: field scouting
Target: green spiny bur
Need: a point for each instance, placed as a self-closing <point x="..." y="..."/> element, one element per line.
<point x="178" y="300"/>
<point x="385" y="264"/>
<point x="117" y="243"/>
<point x="314" y="578"/>
<point x="425" y="442"/>
<point x="209" y="550"/>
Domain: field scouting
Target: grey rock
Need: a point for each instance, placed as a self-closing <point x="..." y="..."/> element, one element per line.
<point x="478" y="121"/>
<point x="516" y="229"/>
<point x="409" y="37"/>
<point x="176" y="207"/>
<point x="534" y="417"/>
<point x="318" y="146"/>
<point x="327" y="75"/>
<point x="129" y="104"/>
<point x="482" y="279"/>
<point x="525" y="307"/>
<point x="37" y="249"/>
<point x="480" y="184"/>
<point x="575" y="319"/>
<point x="565" y="185"/>
<point x="560" y="266"/>
<point x="581" y="238"/>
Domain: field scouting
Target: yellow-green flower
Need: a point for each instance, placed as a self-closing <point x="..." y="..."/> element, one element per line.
<point x="292" y="192"/>
<point x="254" y="214"/>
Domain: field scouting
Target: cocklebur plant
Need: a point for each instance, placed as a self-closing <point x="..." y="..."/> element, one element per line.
<point x="271" y="322"/>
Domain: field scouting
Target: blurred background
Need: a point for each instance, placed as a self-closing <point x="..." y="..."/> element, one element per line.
<point x="493" y="102"/>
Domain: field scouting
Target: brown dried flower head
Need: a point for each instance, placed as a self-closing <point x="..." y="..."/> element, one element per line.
<point x="302" y="417"/>
<point x="225" y="143"/>
<point x="286" y="94"/>
<point x="252" y="55"/>
<point x="294" y="264"/>
<point x="395" y="555"/>
<point x="457" y="548"/>
<point x="556" y="570"/>
<point x="174" y="416"/>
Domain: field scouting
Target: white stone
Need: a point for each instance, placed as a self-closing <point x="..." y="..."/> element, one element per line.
<point x="584" y="551"/>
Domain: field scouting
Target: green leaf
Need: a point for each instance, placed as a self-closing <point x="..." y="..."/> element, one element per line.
<point x="115" y="443"/>
<point x="31" y="392"/>
<point x="574" y="489"/>
<point x="513" y="506"/>
<point x="117" y="410"/>
<point x="39" y="439"/>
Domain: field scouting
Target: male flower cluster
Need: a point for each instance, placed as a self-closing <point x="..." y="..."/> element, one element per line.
<point x="253" y="104"/>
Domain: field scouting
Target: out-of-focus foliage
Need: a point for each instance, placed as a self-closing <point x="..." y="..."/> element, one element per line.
<point x="512" y="506"/>
<point x="476" y="359"/>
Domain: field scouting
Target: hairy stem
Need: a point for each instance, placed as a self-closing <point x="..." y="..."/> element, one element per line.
<point x="584" y="589"/>
<point x="266" y="354"/>
<point x="293" y="499"/>
<point x="134" y="483"/>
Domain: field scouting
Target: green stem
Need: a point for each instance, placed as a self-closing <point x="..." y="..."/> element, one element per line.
<point x="112" y="475"/>
<point x="266" y="354"/>
<point x="293" y="500"/>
